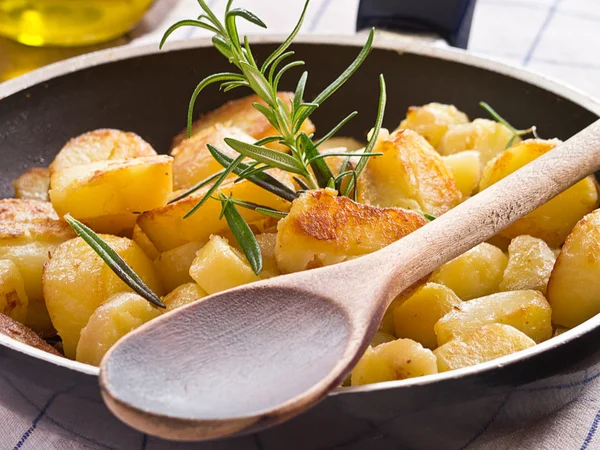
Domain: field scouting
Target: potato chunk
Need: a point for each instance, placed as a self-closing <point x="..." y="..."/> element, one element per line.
<point x="527" y="311"/>
<point x="489" y="138"/>
<point x="410" y="174"/>
<point x="466" y="170"/>
<point x="117" y="316"/>
<point x="183" y="295"/>
<point x="19" y="332"/>
<point x="29" y="231"/>
<point x="218" y="267"/>
<point x="574" y="288"/>
<point x="416" y="317"/>
<point x="241" y="114"/>
<point x="530" y="263"/>
<point x="13" y="299"/>
<point x="554" y="220"/>
<point x="475" y="273"/>
<point x="396" y="360"/>
<point x="33" y="184"/>
<point x="341" y="143"/>
<point x="193" y="161"/>
<point x="100" y="145"/>
<point x="167" y="228"/>
<point x="267" y="243"/>
<point x="323" y="229"/>
<point x="432" y="121"/>
<point x="140" y="238"/>
<point x="173" y="266"/>
<point x="76" y="281"/>
<point x="109" y="195"/>
<point x="480" y="345"/>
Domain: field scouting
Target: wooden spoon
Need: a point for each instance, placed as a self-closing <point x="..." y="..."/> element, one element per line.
<point x="257" y="355"/>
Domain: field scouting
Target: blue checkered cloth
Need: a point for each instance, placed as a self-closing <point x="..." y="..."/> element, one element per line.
<point x="560" y="38"/>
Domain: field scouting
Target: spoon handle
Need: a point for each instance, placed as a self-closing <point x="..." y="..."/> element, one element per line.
<point x="485" y="214"/>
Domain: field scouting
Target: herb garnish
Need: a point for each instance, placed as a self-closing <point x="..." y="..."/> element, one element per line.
<point x="516" y="133"/>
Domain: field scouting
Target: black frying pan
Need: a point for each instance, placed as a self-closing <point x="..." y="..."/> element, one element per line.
<point x="146" y="91"/>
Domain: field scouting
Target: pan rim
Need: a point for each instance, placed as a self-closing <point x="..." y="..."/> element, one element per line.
<point x="384" y="41"/>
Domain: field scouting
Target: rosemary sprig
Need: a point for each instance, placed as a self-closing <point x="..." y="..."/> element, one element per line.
<point x="516" y="133"/>
<point x="114" y="261"/>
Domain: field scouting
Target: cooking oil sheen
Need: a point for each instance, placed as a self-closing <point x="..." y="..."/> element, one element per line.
<point x="68" y="22"/>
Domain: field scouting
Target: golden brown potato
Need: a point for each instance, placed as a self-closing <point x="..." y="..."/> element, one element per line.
<point x="527" y="311"/>
<point x="530" y="263"/>
<point x="553" y="221"/>
<point x="109" y="195"/>
<point x="381" y="338"/>
<point x="173" y="266"/>
<point x="410" y="174"/>
<point x="241" y="114"/>
<point x="323" y="229"/>
<point x="480" y="345"/>
<point x="466" y="170"/>
<point x="218" y="267"/>
<point x="183" y="295"/>
<point x="76" y="281"/>
<point x="33" y="184"/>
<point x="267" y="243"/>
<point x="574" y="288"/>
<point x="396" y="360"/>
<point x="13" y="299"/>
<point x="19" y="332"/>
<point x="489" y="138"/>
<point x="416" y="317"/>
<point x="193" y="161"/>
<point x="117" y="316"/>
<point x="140" y="238"/>
<point x="100" y="145"/>
<point x="29" y="231"/>
<point x="167" y="228"/>
<point x="433" y="120"/>
<point x="475" y="273"/>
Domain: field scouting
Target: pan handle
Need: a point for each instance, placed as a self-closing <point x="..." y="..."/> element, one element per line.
<point x="450" y="19"/>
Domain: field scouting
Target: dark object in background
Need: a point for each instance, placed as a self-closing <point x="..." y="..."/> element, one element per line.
<point x="450" y="19"/>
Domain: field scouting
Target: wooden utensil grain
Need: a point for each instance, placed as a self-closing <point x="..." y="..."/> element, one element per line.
<point x="257" y="355"/>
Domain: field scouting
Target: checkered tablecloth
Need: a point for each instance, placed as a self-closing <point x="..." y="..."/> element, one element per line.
<point x="560" y="38"/>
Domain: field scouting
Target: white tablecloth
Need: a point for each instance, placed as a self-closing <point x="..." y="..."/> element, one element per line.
<point x="560" y="38"/>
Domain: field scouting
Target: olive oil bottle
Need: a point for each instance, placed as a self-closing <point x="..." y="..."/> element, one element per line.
<point x="68" y="22"/>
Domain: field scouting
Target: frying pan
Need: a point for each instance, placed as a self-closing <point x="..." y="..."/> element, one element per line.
<point x="144" y="90"/>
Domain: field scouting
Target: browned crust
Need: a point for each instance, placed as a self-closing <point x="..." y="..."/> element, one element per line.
<point x="19" y="332"/>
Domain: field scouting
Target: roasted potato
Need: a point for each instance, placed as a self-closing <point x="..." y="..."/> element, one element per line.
<point x="574" y="288"/>
<point x="173" y="266"/>
<point x="489" y="138"/>
<point x="76" y="281"/>
<point x="347" y="144"/>
<point x="117" y="316"/>
<point x="109" y="195"/>
<point x="19" y="332"/>
<point x="193" y="161"/>
<point x="465" y="167"/>
<point x="480" y="345"/>
<point x="396" y="360"/>
<point x="100" y="145"/>
<point x="13" y="299"/>
<point x="473" y="274"/>
<point x="208" y="267"/>
<point x="29" y="231"/>
<point x="241" y="114"/>
<point x="381" y="338"/>
<point x="140" y="238"/>
<point x="416" y="317"/>
<point x="553" y="221"/>
<point x="530" y="263"/>
<point x="527" y="311"/>
<point x="410" y="174"/>
<point x="167" y="228"/>
<point x="267" y="243"/>
<point x="432" y="121"/>
<point x="183" y="295"/>
<point x="323" y="229"/>
<point x="33" y="184"/>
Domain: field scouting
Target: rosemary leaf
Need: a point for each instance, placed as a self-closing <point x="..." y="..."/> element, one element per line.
<point x="267" y="211"/>
<point x="258" y="83"/>
<point x="429" y="217"/>
<point x="268" y="140"/>
<point x="230" y="85"/>
<point x="337" y="128"/>
<point x="185" y="23"/>
<point x="197" y="186"/>
<point x="222" y="46"/>
<point x="265" y="111"/>
<point x="331" y="183"/>
<point x="276" y="63"/>
<point x="248" y="51"/>
<point x="302" y="184"/>
<point x="357" y="155"/>
<point x="228" y="7"/>
<point x="266" y="156"/>
<point x="244" y="235"/>
<point x="360" y="166"/>
<point x="283" y="70"/>
<point x="319" y="166"/>
<point x="299" y="93"/>
<point x="247" y="15"/>
<point x="498" y="118"/>
<point x="211" y="16"/>
<point x="114" y="261"/>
